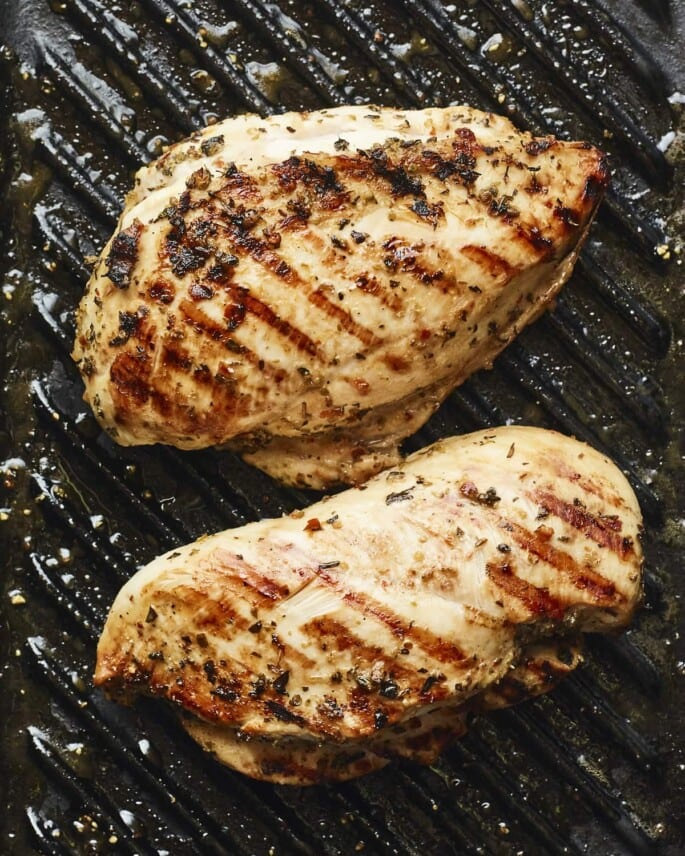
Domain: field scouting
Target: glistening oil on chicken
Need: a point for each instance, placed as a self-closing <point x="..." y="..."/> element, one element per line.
<point x="308" y="288"/>
<point x="366" y="627"/>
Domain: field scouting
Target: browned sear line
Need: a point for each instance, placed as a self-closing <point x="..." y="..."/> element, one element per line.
<point x="490" y="262"/>
<point x="442" y="650"/>
<point x="605" y="531"/>
<point x="347" y="322"/>
<point x="538" y="601"/>
<point x="582" y="578"/>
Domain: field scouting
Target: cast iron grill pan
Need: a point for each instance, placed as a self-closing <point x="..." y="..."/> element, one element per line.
<point x="93" y="90"/>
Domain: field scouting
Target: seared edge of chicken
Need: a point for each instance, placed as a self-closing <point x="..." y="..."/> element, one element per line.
<point x="296" y="761"/>
<point x="309" y="287"/>
<point x="319" y="645"/>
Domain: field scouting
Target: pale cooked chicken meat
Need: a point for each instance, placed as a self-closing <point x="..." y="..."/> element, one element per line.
<point x="309" y="287"/>
<point x="320" y="645"/>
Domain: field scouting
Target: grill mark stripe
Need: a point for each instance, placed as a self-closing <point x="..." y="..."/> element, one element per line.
<point x="203" y="324"/>
<point x="583" y="579"/>
<point x="130" y="375"/>
<point x="356" y="168"/>
<point x="384" y="293"/>
<point x="194" y="690"/>
<point x="538" y="601"/>
<point x="603" y="531"/>
<point x="293" y="334"/>
<point x="202" y="703"/>
<point x="491" y="262"/>
<point x="245" y="244"/>
<point x="276" y="264"/>
<point x="530" y="233"/>
<point x="429" y="642"/>
<point x="222" y="613"/>
<point x="319" y="299"/>
<point x="345" y="638"/>
<point x="178" y="360"/>
<point x="232" y="568"/>
<point x="176" y="357"/>
<point x="533" y="237"/>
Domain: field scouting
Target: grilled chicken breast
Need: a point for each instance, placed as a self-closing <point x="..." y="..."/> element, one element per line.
<point x="309" y="287"/>
<point x="320" y="645"/>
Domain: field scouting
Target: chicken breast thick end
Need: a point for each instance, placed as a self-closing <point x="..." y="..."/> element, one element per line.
<point x="309" y="287"/>
<point x="320" y="645"/>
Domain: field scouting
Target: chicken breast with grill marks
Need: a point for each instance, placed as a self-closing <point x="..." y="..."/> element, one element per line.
<point x="320" y="645"/>
<point x="308" y="288"/>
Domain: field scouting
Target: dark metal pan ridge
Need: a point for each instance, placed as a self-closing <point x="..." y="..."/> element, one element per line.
<point x="90" y="89"/>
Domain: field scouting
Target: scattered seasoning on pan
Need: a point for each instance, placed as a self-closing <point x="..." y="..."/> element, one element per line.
<point x="324" y="566"/>
<point x="511" y="451"/>
<point x="256" y="627"/>
<point x="151" y="615"/>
